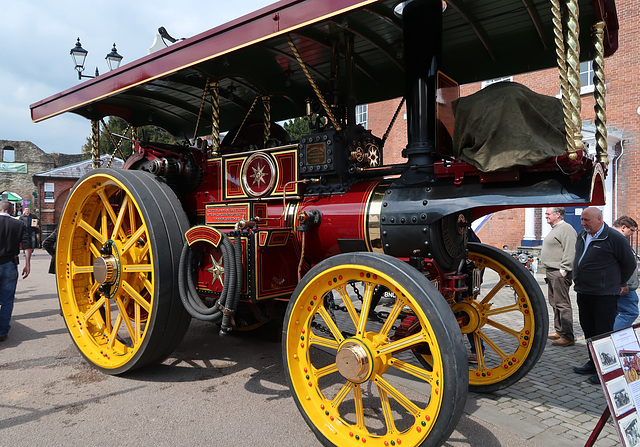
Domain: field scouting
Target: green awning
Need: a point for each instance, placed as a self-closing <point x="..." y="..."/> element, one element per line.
<point x="11" y="197"/>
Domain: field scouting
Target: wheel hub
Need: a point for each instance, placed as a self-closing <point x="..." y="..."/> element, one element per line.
<point x="353" y="361"/>
<point x="469" y="316"/>
<point x="104" y="270"/>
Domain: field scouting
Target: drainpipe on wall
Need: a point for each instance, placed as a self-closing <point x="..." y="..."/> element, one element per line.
<point x="615" y="178"/>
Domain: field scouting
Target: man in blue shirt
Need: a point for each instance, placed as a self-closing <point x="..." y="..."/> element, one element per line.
<point x="604" y="262"/>
<point x="12" y="234"/>
<point x="627" y="303"/>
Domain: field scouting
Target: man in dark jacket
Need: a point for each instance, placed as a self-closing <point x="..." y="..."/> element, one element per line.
<point x="12" y="234"/>
<point x="603" y="264"/>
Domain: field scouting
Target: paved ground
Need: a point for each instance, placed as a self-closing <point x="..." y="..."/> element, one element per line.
<point x="552" y="406"/>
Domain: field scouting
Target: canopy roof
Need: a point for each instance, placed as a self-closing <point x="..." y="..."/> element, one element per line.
<point x="251" y="56"/>
<point x="11" y="196"/>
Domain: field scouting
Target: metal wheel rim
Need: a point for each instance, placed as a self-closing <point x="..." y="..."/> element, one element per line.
<point x="483" y="374"/>
<point x="324" y="411"/>
<point x="111" y="338"/>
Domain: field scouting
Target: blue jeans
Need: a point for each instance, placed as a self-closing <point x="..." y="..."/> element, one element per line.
<point x="627" y="310"/>
<point x="8" y="282"/>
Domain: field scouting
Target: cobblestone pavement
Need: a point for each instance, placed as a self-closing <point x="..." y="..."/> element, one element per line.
<point x="552" y="405"/>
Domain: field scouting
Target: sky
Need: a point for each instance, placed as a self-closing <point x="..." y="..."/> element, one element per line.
<point x="35" y="62"/>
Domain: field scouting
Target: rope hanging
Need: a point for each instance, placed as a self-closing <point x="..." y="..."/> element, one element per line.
<point x="245" y="118"/>
<point x="315" y="87"/>
<point x="393" y="121"/>
<point x="202" y="101"/>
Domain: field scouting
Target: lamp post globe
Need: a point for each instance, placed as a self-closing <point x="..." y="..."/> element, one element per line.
<point x="78" y="54"/>
<point x="113" y="58"/>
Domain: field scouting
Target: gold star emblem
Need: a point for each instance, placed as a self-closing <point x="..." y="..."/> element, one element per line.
<point x="217" y="270"/>
<point x="259" y="175"/>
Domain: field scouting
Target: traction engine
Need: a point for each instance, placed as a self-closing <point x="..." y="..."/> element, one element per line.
<point x="371" y="269"/>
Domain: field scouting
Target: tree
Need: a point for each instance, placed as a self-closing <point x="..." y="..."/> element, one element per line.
<point x="297" y="128"/>
<point x="119" y="126"/>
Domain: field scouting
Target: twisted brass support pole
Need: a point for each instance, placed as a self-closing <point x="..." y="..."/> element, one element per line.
<point x="315" y="87"/>
<point x="573" y="74"/>
<point x="600" y="106"/>
<point x="393" y="121"/>
<point x="95" y="144"/>
<point x="215" y="119"/>
<point x="253" y="104"/>
<point x="562" y="73"/>
<point x="266" y="105"/>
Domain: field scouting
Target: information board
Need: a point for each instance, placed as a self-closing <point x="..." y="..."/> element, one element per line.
<point x="617" y="359"/>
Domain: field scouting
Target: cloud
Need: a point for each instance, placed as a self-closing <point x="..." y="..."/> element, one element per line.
<point x="37" y="63"/>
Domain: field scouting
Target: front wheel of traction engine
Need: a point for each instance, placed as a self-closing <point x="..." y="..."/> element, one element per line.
<point x="349" y="361"/>
<point x="118" y="250"/>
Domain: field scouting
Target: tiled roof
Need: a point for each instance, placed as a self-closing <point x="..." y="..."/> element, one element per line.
<point x="78" y="169"/>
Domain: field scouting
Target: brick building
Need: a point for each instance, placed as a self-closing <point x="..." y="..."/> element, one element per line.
<point x="622" y="77"/>
<point x="19" y="160"/>
<point x="53" y="187"/>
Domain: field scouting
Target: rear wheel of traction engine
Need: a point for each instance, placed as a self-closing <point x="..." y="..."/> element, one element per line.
<point x="118" y="249"/>
<point x="507" y="317"/>
<point x="351" y="367"/>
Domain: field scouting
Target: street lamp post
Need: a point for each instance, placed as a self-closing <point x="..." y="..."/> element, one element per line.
<point x="79" y="54"/>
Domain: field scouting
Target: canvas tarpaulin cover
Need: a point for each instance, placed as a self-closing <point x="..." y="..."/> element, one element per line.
<point x="506" y="125"/>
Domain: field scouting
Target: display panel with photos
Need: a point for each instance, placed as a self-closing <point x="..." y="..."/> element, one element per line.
<point x="617" y="359"/>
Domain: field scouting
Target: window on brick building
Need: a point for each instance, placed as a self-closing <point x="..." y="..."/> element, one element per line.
<point x="493" y="81"/>
<point x="49" y="189"/>
<point x="361" y="114"/>
<point x="8" y="155"/>
<point x="586" y="77"/>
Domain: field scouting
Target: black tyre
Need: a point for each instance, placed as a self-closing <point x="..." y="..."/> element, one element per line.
<point x="351" y="367"/>
<point x="507" y="317"/>
<point x="118" y="249"/>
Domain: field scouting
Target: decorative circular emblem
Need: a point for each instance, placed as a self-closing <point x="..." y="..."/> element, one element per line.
<point x="258" y="175"/>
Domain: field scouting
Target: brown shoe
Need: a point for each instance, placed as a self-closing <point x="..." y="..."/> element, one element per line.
<point x="563" y="342"/>
<point x="553" y="336"/>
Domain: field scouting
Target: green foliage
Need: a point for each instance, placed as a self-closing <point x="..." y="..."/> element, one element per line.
<point x="119" y="126"/>
<point x="297" y="128"/>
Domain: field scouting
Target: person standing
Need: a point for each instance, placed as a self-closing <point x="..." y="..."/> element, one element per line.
<point x="558" y="251"/>
<point x="603" y="264"/>
<point x="627" y="303"/>
<point x="49" y="244"/>
<point x="28" y="220"/>
<point x="12" y="234"/>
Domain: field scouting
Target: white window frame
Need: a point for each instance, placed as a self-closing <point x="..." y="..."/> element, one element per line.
<point x="49" y="190"/>
<point x="9" y="155"/>
<point x="493" y="81"/>
<point x="362" y="114"/>
<point x="586" y="68"/>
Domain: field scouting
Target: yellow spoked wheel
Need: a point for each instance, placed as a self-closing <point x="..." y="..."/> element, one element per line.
<point x="349" y="359"/>
<point x="117" y="254"/>
<point x="506" y="320"/>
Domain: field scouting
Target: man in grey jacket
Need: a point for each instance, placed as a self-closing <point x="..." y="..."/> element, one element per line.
<point x="627" y="303"/>
<point x="604" y="263"/>
<point x="558" y="251"/>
